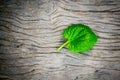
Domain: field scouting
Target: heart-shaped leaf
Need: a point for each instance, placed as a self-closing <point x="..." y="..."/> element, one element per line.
<point x="80" y="38"/>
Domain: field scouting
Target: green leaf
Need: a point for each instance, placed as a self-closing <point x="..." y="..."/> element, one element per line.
<point x="80" y="38"/>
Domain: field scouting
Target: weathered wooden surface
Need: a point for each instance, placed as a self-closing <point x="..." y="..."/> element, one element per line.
<point x="30" y="32"/>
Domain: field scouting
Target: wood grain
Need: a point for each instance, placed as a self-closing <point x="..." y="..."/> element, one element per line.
<point x="30" y="33"/>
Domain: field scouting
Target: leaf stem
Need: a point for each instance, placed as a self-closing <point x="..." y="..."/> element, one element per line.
<point x="64" y="44"/>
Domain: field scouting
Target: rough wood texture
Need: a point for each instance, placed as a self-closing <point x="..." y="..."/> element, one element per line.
<point x="30" y="32"/>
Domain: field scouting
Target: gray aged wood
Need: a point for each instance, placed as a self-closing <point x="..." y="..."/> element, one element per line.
<point x="30" y="32"/>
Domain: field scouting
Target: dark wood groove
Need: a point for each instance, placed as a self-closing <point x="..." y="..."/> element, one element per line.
<point x="102" y="11"/>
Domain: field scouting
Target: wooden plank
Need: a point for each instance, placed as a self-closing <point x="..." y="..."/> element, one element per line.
<point x="30" y="33"/>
